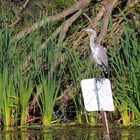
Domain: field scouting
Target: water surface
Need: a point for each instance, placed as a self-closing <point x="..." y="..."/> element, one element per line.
<point x="68" y="133"/>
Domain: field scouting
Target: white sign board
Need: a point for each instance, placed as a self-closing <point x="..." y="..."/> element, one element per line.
<point x="97" y="94"/>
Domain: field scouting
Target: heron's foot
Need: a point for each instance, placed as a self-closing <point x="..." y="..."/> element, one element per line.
<point x="100" y="80"/>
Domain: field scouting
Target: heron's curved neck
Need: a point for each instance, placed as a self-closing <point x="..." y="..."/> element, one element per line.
<point x="92" y="44"/>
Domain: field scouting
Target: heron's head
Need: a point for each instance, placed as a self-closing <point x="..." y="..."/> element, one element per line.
<point x="91" y="32"/>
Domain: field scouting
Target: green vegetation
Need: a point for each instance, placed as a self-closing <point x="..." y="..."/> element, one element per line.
<point x="40" y="84"/>
<point x="126" y="66"/>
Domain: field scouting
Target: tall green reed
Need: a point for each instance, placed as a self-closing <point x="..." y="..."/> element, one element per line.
<point x="48" y="99"/>
<point x="25" y="77"/>
<point x="7" y="103"/>
<point x="10" y="104"/>
<point x="3" y="85"/>
<point x="25" y="91"/>
<point x="16" y="85"/>
<point x="50" y="81"/>
<point x="81" y="68"/>
<point x="125" y="67"/>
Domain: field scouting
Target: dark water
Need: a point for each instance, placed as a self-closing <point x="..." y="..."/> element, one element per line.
<point x="68" y="133"/>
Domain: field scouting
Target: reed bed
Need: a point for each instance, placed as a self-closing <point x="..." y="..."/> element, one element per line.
<point x="42" y="85"/>
<point x="50" y="72"/>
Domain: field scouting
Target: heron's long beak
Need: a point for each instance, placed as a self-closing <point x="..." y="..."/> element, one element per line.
<point x="87" y="30"/>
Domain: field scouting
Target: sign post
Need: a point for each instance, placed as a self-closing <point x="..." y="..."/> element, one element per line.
<point x="97" y="96"/>
<point x="105" y="125"/>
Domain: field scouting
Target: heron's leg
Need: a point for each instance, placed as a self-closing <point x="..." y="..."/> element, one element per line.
<point x="99" y="80"/>
<point x="105" y="75"/>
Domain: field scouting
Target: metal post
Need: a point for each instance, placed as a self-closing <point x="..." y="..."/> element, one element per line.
<point x="103" y="115"/>
<point x="105" y="125"/>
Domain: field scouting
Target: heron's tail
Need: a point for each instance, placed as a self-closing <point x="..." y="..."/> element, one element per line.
<point x="105" y="70"/>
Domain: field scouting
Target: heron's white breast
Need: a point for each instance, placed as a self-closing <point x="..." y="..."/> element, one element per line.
<point x="95" y="55"/>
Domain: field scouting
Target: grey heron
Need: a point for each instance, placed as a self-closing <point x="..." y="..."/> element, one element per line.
<point x="98" y="52"/>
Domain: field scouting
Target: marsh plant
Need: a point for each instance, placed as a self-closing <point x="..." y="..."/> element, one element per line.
<point x="21" y="75"/>
<point x="125" y="68"/>
<point x="50" y="84"/>
<point x="29" y="73"/>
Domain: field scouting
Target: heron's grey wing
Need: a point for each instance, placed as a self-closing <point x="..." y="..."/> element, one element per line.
<point x="102" y="56"/>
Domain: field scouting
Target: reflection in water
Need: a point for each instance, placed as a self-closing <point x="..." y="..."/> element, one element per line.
<point x="67" y="133"/>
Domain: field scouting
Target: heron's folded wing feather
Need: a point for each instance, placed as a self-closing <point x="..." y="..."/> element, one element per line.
<point x="102" y="55"/>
